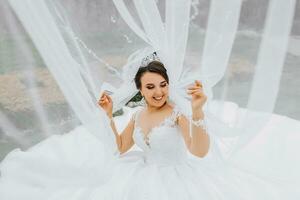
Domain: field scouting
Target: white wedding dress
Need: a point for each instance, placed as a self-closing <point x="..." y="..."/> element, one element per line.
<point x="71" y="167"/>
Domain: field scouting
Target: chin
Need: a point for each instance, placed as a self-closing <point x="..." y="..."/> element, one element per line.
<point x="158" y="104"/>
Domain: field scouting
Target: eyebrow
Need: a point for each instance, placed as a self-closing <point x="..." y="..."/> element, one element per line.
<point x="153" y="84"/>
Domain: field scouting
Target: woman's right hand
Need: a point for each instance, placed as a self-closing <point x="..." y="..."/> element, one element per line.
<point x="106" y="103"/>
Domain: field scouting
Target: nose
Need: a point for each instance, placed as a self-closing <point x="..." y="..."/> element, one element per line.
<point x="158" y="92"/>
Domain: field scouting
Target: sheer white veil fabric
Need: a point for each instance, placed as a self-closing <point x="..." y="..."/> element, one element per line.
<point x="169" y="39"/>
<point x="69" y="74"/>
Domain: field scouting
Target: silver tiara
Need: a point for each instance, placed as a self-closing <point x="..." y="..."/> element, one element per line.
<point x="148" y="59"/>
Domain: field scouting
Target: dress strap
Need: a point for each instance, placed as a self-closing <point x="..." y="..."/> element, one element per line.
<point x="135" y="116"/>
<point x="176" y="113"/>
<point x="173" y="117"/>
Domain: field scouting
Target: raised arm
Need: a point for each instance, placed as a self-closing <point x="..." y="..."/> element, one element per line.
<point x="124" y="140"/>
<point x="196" y="140"/>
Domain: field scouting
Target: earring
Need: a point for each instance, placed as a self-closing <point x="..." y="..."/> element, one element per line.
<point x="143" y="101"/>
<point x="169" y="100"/>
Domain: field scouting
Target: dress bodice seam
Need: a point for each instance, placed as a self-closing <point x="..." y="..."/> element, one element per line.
<point x="171" y="117"/>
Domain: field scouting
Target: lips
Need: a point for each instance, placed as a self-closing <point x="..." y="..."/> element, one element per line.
<point x="158" y="98"/>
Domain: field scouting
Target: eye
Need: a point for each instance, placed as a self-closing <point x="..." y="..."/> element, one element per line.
<point x="163" y="85"/>
<point x="150" y="87"/>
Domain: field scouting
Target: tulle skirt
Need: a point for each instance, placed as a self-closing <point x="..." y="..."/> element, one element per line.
<point x="74" y="167"/>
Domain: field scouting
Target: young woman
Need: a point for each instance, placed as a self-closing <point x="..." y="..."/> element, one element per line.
<point x="165" y="171"/>
<point x="152" y="82"/>
<point x="176" y="161"/>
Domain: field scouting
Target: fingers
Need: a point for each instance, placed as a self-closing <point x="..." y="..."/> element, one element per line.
<point x="105" y="98"/>
<point x="104" y="95"/>
<point x="196" y="89"/>
<point x="197" y="85"/>
<point x="102" y="100"/>
<point x="196" y="92"/>
<point x="109" y="98"/>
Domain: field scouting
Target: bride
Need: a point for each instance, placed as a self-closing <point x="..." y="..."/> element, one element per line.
<point x="163" y="133"/>
<point x="174" y="163"/>
<point x="184" y="152"/>
<point x="152" y="81"/>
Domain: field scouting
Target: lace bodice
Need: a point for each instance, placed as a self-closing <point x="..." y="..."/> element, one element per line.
<point x="164" y="143"/>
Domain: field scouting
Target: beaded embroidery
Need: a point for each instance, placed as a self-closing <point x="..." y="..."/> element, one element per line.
<point x="170" y="121"/>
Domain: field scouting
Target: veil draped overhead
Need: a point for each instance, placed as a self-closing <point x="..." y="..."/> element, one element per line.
<point x="88" y="47"/>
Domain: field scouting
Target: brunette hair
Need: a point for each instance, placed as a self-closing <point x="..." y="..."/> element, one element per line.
<point x="155" y="67"/>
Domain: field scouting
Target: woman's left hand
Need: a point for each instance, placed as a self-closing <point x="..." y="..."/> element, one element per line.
<point x="198" y="96"/>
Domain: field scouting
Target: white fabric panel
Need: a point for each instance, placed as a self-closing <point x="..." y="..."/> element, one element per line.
<point x="272" y="55"/>
<point x="41" y="27"/>
<point x="152" y="22"/>
<point x="165" y="40"/>
<point x="129" y="20"/>
<point x="220" y="34"/>
<point x="177" y="23"/>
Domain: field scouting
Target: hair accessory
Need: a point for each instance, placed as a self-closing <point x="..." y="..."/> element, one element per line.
<point x="150" y="58"/>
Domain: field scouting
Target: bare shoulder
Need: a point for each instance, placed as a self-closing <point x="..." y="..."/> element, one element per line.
<point x="131" y="124"/>
<point x="135" y="113"/>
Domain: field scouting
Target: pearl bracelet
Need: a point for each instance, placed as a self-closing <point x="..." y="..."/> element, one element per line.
<point x="199" y="123"/>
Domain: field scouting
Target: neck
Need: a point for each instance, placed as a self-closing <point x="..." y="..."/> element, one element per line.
<point x="151" y="109"/>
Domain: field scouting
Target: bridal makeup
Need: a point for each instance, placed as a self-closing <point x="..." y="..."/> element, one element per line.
<point x="155" y="89"/>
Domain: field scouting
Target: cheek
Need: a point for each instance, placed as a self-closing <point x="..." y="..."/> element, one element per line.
<point x="166" y="90"/>
<point x="148" y="93"/>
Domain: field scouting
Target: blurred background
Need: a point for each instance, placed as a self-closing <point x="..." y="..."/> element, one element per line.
<point x="32" y="106"/>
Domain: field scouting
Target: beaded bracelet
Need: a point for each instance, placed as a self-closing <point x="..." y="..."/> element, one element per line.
<point x="199" y="123"/>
